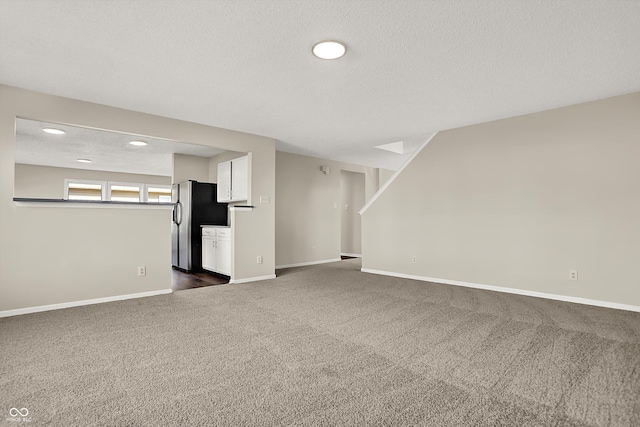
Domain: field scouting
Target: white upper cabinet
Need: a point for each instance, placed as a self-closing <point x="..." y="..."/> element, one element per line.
<point x="233" y="180"/>
<point x="224" y="181"/>
<point x="240" y="178"/>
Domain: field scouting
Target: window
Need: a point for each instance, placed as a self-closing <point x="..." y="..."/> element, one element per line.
<point x="159" y="194"/>
<point x="84" y="190"/>
<point x="116" y="191"/>
<point x="125" y="192"/>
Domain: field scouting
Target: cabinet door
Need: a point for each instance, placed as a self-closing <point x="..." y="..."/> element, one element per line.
<point x="209" y="254"/>
<point x="223" y="256"/>
<point x="240" y="178"/>
<point x="224" y="182"/>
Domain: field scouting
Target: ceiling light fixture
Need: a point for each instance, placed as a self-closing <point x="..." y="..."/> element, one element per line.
<point x="329" y="49"/>
<point x="84" y="161"/>
<point x="138" y="143"/>
<point x="54" y="131"/>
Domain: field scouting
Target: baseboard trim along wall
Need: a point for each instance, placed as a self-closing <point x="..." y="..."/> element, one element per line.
<point x="27" y="310"/>
<point x="304" y="264"/>
<point x="353" y="255"/>
<point x="557" y="297"/>
<point x="252" y="279"/>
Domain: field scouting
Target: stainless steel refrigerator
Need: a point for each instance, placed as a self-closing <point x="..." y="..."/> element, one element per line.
<point x="195" y="205"/>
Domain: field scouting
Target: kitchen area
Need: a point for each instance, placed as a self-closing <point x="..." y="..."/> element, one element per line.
<point x="210" y="234"/>
<point x="61" y="149"/>
<point x="201" y="232"/>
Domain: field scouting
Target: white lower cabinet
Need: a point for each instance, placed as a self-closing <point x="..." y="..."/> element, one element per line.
<point x="223" y="251"/>
<point x="216" y="249"/>
<point x="208" y="253"/>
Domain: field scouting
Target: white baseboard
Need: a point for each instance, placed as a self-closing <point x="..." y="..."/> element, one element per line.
<point x="252" y="279"/>
<point x="557" y="297"/>
<point x="304" y="264"/>
<point x="27" y="310"/>
<point x="353" y="255"/>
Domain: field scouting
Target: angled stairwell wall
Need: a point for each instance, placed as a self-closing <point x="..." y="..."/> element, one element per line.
<point x="517" y="203"/>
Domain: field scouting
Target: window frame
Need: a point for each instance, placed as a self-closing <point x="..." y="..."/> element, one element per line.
<point x="103" y="186"/>
<point x="143" y="192"/>
<point x="148" y="186"/>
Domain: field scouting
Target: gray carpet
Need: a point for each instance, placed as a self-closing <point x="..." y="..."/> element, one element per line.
<point x="324" y="345"/>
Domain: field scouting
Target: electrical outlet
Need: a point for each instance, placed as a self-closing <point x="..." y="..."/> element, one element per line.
<point x="313" y="249"/>
<point x="259" y="259"/>
<point x="335" y="205"/>
<point x="414" y="259"/>
<point x="573" y="275"/>
<point x="142" y="270"/>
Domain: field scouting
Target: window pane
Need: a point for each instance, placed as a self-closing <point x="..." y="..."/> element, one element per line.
<point x="125" y="193"/>
<point x="159" y="194"/>
<point x="79" y="191"/>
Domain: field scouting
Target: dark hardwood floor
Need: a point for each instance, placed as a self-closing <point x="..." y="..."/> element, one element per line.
<point x="181" y="280"/>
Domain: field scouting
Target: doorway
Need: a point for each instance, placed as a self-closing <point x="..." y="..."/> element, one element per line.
<point x="352" y="195"/>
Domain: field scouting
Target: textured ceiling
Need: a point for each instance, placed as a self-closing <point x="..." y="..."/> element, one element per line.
<point x="108" y="151"/>
<point x="412" y="67"/>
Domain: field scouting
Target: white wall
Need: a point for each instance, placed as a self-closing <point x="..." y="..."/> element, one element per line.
<point x="308" y="207"/>
<point x="384" y="175"/>
<point x="519" y="202"/>
<point x="33" y="181"/>
<point x="187" y="168"/>
<point x="91" y="253"/>
<point x="352" y="199"/>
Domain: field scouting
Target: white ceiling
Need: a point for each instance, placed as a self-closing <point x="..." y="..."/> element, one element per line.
<point x="411" y="68"/>
<point x="108" y="151"/>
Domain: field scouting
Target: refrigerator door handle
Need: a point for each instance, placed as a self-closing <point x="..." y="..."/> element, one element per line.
<point x="178" y="215"/>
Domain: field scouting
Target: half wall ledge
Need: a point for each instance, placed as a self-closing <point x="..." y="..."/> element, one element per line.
<point x="47" y="203"/>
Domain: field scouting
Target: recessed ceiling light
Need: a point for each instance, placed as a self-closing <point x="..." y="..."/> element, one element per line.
<point x="84" y="161"/>
<point x="329" y="49"/>
<point x="54" y="131"/>
<point x="138" y="143"/>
